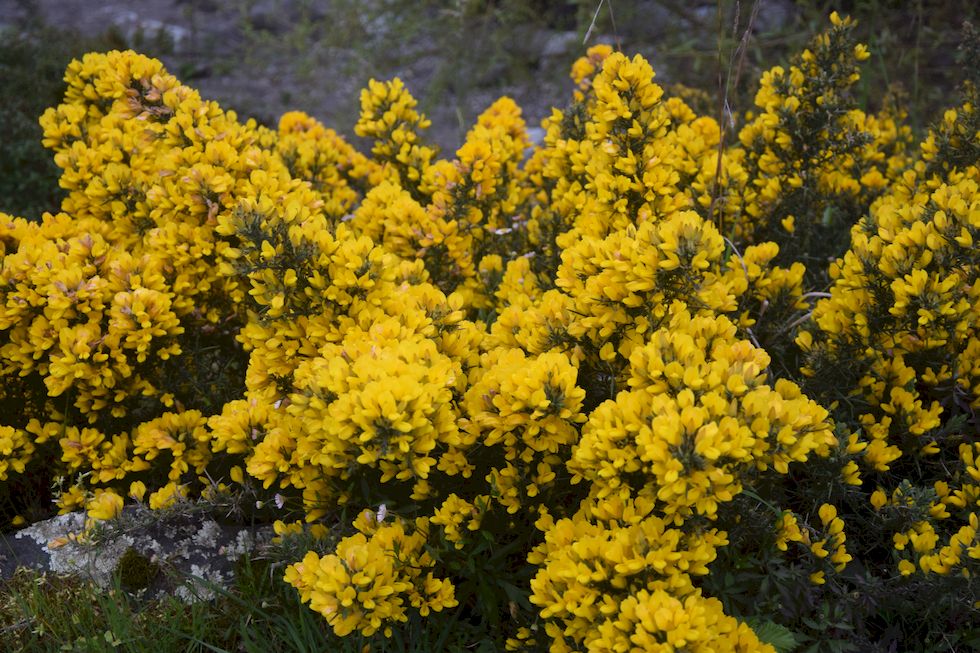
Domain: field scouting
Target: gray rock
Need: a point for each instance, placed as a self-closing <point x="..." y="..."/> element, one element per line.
<point x="775" y="15"/>
<point x="268" y="15"/>
<point x="536" y="135"/>
<point x="279" y="16"/>
<point x="561" y="44"/>
<point x="188" y="546"/>
<point x="137" y="30"/>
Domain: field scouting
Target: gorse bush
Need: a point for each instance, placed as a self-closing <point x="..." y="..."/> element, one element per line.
<point x="591" y="395"/>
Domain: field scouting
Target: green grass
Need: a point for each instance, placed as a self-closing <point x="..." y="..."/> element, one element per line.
<point x="52" y="613"/>
<point x="64" y="613"/>
<point x="49" y="612"/>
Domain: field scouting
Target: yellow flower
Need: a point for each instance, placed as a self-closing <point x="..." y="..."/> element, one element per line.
<point x="368" y="583"/>
<point x="105" y="505"/>
<point x="137" y="490"/>
<point x="878" y="499"/>
<point x="167" y="496"/>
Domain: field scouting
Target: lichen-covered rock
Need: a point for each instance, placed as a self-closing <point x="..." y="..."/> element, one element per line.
<point x="191" y="550"/>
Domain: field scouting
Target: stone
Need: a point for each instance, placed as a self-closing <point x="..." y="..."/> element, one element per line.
<point x="192" y="549"/>
<point x="536" y="135"/>
<point x="561" y="44"/>
<point x="268" y="16"/>
<point x="278" y="16"/>
<point x="775" y="15"/>
<point x="139" y="30"/>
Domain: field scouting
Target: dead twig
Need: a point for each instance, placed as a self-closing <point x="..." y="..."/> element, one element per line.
<point x="726" y="118"/>
<point x="612" y="19"/>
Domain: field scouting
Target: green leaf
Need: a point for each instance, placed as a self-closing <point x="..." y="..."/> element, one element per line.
<point x="779" y="637"/>
<point x="516" y="594"/>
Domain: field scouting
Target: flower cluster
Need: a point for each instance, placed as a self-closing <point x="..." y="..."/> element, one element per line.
<point x="379" y="400"/>
<point x="809" y="162"/>
<point x="114" y="312"/>
<point x="618" y="576"/>
<point x="371" y="580"/>
<point x="338" y="172"/>
<point x="620" y="155"/>
<point x="902" y="313"/>
<point x="388" y="116"/>
<point x="698" y="416"/>
<point x="529" y="410"/>
<point x="16" y="449"/>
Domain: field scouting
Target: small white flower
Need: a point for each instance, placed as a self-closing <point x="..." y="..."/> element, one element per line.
<point x="382" y="512"/>
<point x="277" y="404"/>
<point x="280" y="500"/>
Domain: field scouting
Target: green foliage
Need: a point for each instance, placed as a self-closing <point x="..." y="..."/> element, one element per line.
<point x="781" y="637"/>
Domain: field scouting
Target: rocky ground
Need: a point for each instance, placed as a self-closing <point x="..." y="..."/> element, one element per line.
<point x="265" y="57"/>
